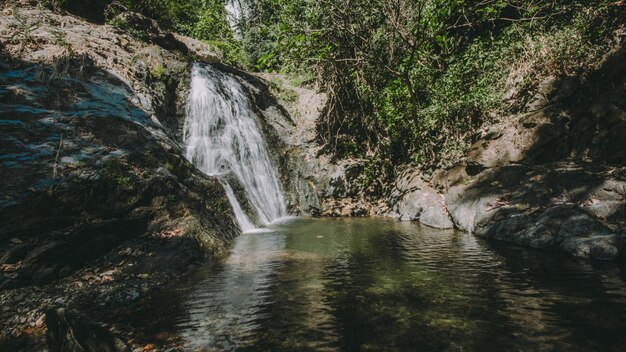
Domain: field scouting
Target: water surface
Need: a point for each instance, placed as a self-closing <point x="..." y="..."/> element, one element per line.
<point x="377" y="285"/>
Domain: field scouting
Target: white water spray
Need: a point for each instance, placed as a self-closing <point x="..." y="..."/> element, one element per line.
<point x="234" y="14"/>
<point x="222" y="138"/>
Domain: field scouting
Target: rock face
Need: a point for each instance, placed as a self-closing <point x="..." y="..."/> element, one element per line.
<point x="93" y="169"/>
<point x="577" y="208"/>
<point x="564" y="227"/>
<point x="70" y="332"/>
<point x="99" y="171"/>
<point x="553" y="178"/>
<point x="88" y="109"/>
<point x="314" y="183"/>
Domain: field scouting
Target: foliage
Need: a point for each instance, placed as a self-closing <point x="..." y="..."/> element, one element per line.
<point x="175" y="15"/>
<point x="412" y="80"/>
<point x="158" y="72"/>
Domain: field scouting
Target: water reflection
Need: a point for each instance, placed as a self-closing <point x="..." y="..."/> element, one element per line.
<point x="374" y="285"/>
<point x="228" y="304"/>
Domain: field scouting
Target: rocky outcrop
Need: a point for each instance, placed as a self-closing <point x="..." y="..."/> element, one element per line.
<point x="553" y="178"/>
<point x="577" y="208"/>
<point x="93" y="158"/>
<point x="97" y="201"/>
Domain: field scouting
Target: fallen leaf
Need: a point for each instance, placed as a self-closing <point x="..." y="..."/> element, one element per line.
<point x="40" y="320"/>
<point x="10" y="268"/>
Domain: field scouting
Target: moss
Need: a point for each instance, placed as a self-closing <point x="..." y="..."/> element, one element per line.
<point x="158" y="72"/>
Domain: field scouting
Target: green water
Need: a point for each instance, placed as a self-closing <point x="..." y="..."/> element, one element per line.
<point x="376" y="285"/>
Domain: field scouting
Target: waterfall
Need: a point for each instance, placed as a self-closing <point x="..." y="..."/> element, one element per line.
<point x="223" y="139"/>
<point x="234" y="15"/>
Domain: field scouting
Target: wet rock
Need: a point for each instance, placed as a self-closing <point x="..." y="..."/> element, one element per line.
<point x="68" y="331"/>
<point x="302" y="195"/>
<point x="466" y="210"/>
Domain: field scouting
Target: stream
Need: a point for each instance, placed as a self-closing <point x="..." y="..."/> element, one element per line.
<point x="375" y="285"/>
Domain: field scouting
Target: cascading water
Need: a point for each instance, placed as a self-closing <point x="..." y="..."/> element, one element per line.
<point x="235" y="15"/>
<point x="222" y="138"/>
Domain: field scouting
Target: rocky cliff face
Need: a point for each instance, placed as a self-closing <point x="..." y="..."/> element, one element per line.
<point x="97" y="201"/>
<point x="553" y="177"/>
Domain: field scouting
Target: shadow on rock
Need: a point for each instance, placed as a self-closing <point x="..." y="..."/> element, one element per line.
<point x="68" y="331"/>
<point x="553" y="178"/>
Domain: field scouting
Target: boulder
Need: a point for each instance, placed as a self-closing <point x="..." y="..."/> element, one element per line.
<point x="578" y="209"/>
<point x="414" y="200"/>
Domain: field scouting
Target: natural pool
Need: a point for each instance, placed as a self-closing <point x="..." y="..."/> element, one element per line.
<point x="378" y="285"/>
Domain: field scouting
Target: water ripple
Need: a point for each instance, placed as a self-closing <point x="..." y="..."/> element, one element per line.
<point x="371" y="285"/>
